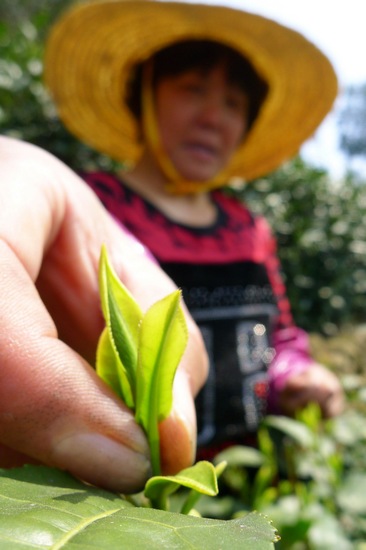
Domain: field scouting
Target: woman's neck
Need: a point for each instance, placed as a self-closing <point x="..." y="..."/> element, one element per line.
<point x="149" y="182"/>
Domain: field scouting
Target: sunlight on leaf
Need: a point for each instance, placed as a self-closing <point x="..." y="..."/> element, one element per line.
<point x="111" y="370"/>
<point x="163" y="338"/>
<point x="138" y="354"/>
<point x="122" y="315"/>
<point x="201" y="477"/>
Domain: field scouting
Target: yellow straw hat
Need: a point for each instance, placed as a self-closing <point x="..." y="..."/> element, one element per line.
<point x="92" y="49"/>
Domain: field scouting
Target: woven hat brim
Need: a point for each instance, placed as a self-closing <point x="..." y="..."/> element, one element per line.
<point x="91" y="50"/>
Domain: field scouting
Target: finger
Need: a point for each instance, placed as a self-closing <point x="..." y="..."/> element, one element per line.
<point x="178" y="431"/>
<point x="333" y="404"/>
<point x="297" y="394"/>
<point x="9" y="458"/>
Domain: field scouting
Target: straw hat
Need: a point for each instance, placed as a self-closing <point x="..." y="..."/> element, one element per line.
<point x="93" y="47"/>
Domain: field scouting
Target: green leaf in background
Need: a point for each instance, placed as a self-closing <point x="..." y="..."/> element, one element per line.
<point x="240" y="455"/>
<point x="122" y="315"/>
<point x="162" y="341"/>
<point x="291" y="427"/>
<point x="351" y="495"/>
<point x="43" y="508"/>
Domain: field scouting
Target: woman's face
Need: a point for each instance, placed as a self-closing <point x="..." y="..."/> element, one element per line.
<point x="201" y="119"/>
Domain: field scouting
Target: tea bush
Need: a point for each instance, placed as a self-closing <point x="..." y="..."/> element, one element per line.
<point x="321" y="232"/>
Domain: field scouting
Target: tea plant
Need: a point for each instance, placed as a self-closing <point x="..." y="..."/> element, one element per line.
<point x="138" y="355"/>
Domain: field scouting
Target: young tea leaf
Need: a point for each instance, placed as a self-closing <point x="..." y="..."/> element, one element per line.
<point x="163" y="338"/>
<point x="111" y="370"/>
<point x="122" y="315"/>
<point x="162" y="341"/>
<point x="201" y="477"/>
<point x="138" y="354"/>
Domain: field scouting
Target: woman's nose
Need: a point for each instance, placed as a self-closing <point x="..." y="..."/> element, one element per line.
<point x="213" y="111"/>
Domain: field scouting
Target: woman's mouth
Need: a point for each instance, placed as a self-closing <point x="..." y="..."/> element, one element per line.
<point x="202" y="151"/>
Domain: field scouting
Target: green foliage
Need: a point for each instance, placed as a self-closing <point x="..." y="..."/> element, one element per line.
<point x="307" y="476"/>
<point x="44" y="508"/>
<point x="319" y="225"/>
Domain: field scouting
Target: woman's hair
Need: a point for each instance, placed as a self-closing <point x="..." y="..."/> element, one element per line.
<point x="202" y="55"/>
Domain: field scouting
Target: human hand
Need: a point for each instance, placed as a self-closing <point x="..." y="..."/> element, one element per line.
<point x="53" y="407"/>
<point x="315" y="384"/>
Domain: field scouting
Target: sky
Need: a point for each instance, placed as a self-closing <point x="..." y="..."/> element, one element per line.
<point x="337" y="27"/>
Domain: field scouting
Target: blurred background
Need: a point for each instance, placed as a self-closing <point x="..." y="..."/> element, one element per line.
<point x="315" y="203"/>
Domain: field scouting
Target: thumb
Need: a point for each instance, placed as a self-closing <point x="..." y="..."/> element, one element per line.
<point x="178" y="432"/>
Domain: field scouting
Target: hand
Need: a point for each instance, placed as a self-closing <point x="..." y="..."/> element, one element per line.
<point x="315" y="384"/>
<point x="53" y="408"/>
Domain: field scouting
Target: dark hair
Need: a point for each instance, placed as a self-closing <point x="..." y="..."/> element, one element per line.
<point x="203" y="55"/>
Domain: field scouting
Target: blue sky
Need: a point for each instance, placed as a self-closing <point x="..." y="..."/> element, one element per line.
<point x="337" y="27"/>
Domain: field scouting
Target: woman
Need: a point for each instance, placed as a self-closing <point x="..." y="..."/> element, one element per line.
<point x="189" y="96"/>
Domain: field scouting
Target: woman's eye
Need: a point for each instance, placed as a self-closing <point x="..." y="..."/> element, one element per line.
<point x="237" y="104"/>
<point x="194" y="88"/>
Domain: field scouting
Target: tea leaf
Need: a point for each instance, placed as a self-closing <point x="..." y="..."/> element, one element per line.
<point x="201" y="477"/>
<point x="351" y="495"/>
<point x="291" y="427"/>
<point x="111" y="370"/>
<point x="240" y="455"/>
<point x="43" y="508"/>
<point x="162" y="341"/>
<point x="122" y="315"/>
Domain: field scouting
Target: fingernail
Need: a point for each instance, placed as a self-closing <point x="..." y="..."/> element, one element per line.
<point x="102" y="461"/>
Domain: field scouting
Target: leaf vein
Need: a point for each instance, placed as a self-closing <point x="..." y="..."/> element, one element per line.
<point x="80" y="527"/>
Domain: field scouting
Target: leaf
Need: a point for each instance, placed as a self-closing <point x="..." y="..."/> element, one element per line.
<point x="239" y="455"/>
<point x="43" y="508"/>
<point x="122" y="315"/>
<point x="201" y="477"/>
<point x="111" y="370"/>
<point x="351" y="494"/>
<point x="327" y="533"/>
<point x="293" y="428"/>
<point x="162" y="341"/>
